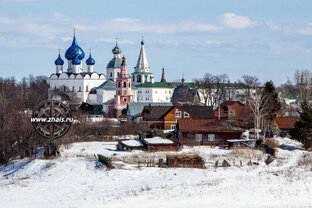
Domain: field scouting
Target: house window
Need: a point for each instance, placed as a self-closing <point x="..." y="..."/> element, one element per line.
<point x="118" y="74"/>
<point x="133" y="79"/>
<point x="211" y="137"/>
<point x="186" y="115"/>
<point x="198" y="137"/>
<point x="129" y="84"/>
<point x="87" y="88"/>
<point x="119" y="84"/>
<point x="125" y="99"/>
<point x="73" y="88"/>
<point x="111" y="74"/>
<point x="64" y="89"/>
<point x="178" y="114"/>
<point x="139" y="78"/>
<point x="125" y="84"/>
<point x="80" y="89"/>
<point x="172" y="127"/>
<point x="232" y="114"/>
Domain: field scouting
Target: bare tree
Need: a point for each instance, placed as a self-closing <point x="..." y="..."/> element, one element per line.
<point x="303" y="81"/>
<point x="213" y="88"/>
<point x="258" y="104"/>
<point x="250" y="82"/>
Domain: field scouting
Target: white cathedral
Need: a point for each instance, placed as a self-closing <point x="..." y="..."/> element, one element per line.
<point x="95" y="88"/>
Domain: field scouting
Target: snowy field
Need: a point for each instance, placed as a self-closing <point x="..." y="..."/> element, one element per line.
<point x="75" y="180"/>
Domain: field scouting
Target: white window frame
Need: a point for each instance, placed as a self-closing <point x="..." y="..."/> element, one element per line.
<point x="186" y="115"/>
<point x="173" y="127"/>
<point x="198" y="137"/>
<point x="178" y="113"/>
<point x="231" y="114"/>
<point x="211" y="137"/>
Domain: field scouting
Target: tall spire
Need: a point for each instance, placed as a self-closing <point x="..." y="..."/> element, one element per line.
<point x="163" y="79"/>
<point x="142" y="64"/>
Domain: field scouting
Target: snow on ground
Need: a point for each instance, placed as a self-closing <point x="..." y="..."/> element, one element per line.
<point x="73" y="180"/>
<point x="288" y="143"/>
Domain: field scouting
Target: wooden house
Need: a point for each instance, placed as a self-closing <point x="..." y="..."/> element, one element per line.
<point x="206" y="132"/>
<point x="166" y="117"/>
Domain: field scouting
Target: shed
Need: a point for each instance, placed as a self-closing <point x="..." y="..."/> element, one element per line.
<point x="159" y="144"/>
<point x="128" y="145"/>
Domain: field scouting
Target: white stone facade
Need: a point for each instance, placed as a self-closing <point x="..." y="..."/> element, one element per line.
<point x="81" y="83"/>
<point x="154" y="95"/>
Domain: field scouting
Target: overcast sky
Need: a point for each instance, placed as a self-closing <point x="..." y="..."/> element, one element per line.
<point x="269" y="39"/>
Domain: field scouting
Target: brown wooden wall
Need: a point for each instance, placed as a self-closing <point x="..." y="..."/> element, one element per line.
<point x="188" y="138"/>
<point x="171" y="117"/>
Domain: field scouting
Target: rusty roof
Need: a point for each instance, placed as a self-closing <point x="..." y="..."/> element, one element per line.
<point x="222" y="113"/>
<point x="206" y="125"/>
<point x="231" y="102"/>
<point x="286" y="123"/>
<point x="198" y="112"/>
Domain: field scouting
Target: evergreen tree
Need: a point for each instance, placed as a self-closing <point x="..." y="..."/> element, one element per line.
<point x="303" y="127"/>
<point x="273" y="105"/>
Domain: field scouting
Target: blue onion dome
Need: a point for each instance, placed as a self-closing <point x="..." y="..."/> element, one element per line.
<point x="76" y="61"/>
<point x="74" y="51"/>
<point x="59" y="60"/>
<point x="116" y="49"/>
<point x="90" y="60"/>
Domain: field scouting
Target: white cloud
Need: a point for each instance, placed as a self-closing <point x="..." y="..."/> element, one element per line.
<point x="306" y="30"/>
<point x="272" y="25"/>
<point x="233" y="21"/>
<point x="212" y="42"/>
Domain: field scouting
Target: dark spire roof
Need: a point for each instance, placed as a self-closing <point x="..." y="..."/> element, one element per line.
<point x="163" y="79"/>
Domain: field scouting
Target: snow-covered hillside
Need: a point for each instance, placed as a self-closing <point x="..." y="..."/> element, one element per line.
<point x="73" y="180"/>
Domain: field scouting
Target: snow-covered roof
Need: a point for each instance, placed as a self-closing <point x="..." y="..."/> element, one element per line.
<point x="132" y="143"/>
<point x="158" y="140"/>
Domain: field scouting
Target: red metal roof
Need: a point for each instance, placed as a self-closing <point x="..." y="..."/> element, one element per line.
<point x="286" y="123"/>
<point x="206" y="125"/>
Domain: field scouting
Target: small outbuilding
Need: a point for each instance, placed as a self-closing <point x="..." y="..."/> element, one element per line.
<point x="128" y="145"/>
<point x="159" y="144"/>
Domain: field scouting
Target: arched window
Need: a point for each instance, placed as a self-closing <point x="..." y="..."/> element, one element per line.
<point x="139" y="78"/>
<point x="125" y="84"/>
<point x="133" y="79"/>
<point x="79" y="88"/>
<point x="73" y="88"/>
<point x="64" y="89"/>
<point x="119" y="84"/>
<point x="87" y="88"/>
<point x="129" y="85"/>
<point x="111" y="74"/>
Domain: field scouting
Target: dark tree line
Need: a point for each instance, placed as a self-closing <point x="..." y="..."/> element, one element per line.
<point x="17" y="99"/>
